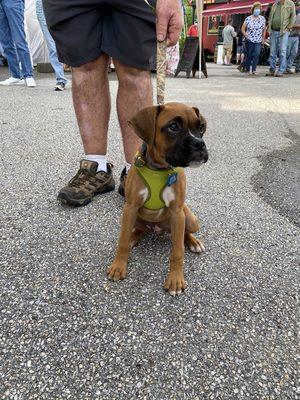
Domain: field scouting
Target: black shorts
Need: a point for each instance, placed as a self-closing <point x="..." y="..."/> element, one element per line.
<point x="84" y="29"/>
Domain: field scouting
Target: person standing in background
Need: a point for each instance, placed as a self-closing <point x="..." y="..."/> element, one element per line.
<point x="281" y="20"/>
<point x="15" y="47"/>
<point x="293" y="42"/>
<point x="228" y="34"/>
<point x="193" y="30"/>
<point x="240" y="50"/>
<point x="254" y="30"/>
<point x="58" y="67"/>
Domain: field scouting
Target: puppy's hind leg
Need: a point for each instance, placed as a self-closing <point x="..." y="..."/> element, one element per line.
<point x="192" y="225"/>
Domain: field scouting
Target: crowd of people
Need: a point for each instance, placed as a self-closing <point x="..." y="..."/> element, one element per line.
<point x="283" y="30"/>
<point x="14" y="46"/>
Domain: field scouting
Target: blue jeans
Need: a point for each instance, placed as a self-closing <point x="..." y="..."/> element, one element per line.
<point x="278" y="45"/>
<point x="13" y="39"/>
<point x="252" y="55"/>
<point x="57" y="66"/>
<point x="292" y="49"/>
<point x="297" y="60"/>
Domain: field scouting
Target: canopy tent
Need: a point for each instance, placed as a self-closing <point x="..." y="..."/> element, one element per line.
<point x="36" y="42"/>
<point x="235" y="7"/>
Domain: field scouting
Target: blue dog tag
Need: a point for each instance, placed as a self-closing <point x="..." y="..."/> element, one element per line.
<point x="172" y="178"/>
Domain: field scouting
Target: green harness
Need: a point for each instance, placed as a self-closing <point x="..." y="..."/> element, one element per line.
<point x="156" y="180"/>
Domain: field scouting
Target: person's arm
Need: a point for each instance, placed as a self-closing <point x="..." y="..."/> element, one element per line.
<point x="292" y="19"/>
<point x="264" y="34"/>
<point x="243" y="29"/>
<point x="169" y="21"/>
<point x="270" y="19"/>
<point x="233" y="32"/>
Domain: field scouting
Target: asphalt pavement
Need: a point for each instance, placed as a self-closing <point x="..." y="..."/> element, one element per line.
<point x="66" y="332"/>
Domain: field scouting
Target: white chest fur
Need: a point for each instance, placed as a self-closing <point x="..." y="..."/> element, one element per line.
<point x="168" y="195"/>
<point x="144" y="194"/>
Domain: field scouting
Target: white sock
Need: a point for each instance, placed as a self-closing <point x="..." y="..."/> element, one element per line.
<point x="127" y="166"/>
<point x="101" y="160"/>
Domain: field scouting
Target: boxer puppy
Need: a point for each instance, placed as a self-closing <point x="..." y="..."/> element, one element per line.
<point x="172" y="136"/>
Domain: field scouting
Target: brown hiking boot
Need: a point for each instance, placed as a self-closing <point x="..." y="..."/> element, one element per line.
<point x="122" y="182"/>
<point x="86" y="184"/>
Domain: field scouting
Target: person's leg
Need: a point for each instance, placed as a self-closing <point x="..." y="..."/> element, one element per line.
<point x="134" y="93"/>
<point x="91" y="100"/>
<point x="291" y="52"/>
<point x="15" y="14"/>
<point x="249" y="51"/>
<point x="224" y="54"/>
<point x="57" y="66"/>
<point x="256" y="55"/>
<point x="297" y="60"/>
<point x="238" y="55"/>
<point x="288" y="52"/>
<point x="229" y="55"/>
<point x="274" y="40"/>
<point x="8" y="45"/>
<point x="242" y="58"/>
<point x="283" y="41"/>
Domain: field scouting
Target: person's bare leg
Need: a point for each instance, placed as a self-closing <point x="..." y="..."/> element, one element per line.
<point x="91" y="100"/>
<point x="134" y="94"/>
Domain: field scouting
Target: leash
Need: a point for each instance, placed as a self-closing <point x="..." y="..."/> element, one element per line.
<point x="161" y="61"/>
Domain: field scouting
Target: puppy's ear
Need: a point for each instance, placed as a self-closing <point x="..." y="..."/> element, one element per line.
<point x="144" y="123"/>
<point x="202" y="120"/>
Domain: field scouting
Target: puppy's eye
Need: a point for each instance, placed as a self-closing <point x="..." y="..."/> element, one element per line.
<point x="174" y="127"/>
<point x="200" y="126"/>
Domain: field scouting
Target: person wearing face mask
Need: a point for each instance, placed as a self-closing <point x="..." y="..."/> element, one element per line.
<point x="281" y="20"/>
<point x="254" y="30"/>
<point x="293" y="42"/>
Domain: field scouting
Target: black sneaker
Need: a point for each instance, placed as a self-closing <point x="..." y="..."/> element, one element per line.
<point x="123" y="177"/>
<point x="86" y="184"/>
<point x="60" y="86"/>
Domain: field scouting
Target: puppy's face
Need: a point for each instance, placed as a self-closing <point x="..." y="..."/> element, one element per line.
<point x="173" y="133"/>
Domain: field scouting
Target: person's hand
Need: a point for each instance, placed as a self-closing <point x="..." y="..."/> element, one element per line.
<point x="169" y="21"/>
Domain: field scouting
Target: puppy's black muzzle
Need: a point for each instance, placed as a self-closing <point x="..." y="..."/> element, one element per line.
<point x="199" y="151"/>
<point x="190" y="151"/>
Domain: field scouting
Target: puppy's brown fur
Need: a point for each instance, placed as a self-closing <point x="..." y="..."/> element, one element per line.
<point x="175" y="217"/>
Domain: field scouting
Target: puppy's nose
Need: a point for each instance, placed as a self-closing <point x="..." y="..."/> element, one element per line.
<point x="199" y="144"/>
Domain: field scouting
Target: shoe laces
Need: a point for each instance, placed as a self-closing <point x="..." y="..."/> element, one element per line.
<point x="84" y="175"/>
<point x="81" y="177"/>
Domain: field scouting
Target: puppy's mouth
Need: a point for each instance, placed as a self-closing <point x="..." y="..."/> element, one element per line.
<point x="190" y="152"/>
<point x="196" y="164"/>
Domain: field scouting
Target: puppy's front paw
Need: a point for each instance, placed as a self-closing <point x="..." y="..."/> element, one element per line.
<point x="175" y="283"/>
<point x="116" y="272"/>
